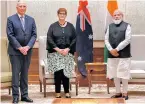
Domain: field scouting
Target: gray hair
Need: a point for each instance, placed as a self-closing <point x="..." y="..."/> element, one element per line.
<point x="120" y="12"/>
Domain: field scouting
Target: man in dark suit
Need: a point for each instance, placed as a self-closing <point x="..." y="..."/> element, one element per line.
<point x="21" y="33"/>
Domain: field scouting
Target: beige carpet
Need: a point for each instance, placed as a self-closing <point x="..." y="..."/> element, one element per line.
<point x="136" y="94"/>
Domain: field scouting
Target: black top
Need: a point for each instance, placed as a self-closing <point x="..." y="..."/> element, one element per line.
<point x="61" y="37"/>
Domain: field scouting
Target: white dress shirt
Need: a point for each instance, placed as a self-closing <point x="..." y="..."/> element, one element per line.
<point x="21" y="16"/>
<point x="22" y="20"/>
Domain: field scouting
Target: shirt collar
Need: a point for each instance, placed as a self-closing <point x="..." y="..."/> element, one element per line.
<point x="21" y="16"/>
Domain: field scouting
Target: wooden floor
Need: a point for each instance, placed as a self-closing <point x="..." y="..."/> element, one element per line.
<point x="88" y="101"/>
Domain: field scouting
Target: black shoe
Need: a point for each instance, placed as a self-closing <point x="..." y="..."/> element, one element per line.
<point x="125" y="97"/>
<point x="67" y="96"/>
<point x="15" y="100"/>
<point x="27" y="99"/>
<point x="116" y="96"/>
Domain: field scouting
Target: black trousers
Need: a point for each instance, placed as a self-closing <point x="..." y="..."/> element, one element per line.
<point x="20" y="65"/>
<point x="59" y="78"/>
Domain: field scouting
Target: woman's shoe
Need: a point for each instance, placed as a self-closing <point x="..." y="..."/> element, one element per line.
<point x="117" y="96"/>
<point x="58" y="95"/>
<point x="67" y="95"/>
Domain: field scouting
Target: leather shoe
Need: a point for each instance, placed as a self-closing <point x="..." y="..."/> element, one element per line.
<point x="116" y="96"/>
<point x="15" y="100"/>
<point x="125" y="97"/>
<point x="27" y="99"/>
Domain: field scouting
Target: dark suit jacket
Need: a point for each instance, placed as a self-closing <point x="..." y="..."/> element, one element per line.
<point x="17" y="36"/>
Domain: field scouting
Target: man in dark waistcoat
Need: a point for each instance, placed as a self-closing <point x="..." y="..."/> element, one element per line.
<point x="117" y="41"/>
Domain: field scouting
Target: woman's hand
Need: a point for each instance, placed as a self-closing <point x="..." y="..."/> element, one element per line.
<point x="65" y="51"/>
<point x="60" y="51"/>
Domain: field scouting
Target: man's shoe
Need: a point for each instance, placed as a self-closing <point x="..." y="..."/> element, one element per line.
<point x="116" y="96"/>
<point x="27" y="99"/>
<point x="125" y="97"/>
<point x="15" y="100"/>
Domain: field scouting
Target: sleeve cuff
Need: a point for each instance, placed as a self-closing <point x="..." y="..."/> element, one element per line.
<point x="117" y="49"/>
<point x="18" y="46"/>
<point x="110" y="48"/>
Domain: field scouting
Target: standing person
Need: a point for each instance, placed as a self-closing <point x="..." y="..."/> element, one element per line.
<point x="21" y="33"/>
<point x="117" y="40"/>
<point x="61" y="41"/>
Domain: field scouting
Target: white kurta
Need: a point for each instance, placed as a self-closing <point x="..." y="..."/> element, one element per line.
<point x="118" y="67"/>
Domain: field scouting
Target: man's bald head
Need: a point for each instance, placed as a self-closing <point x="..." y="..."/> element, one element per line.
<point x="21" y="7"/>
<point x="21" y="2"/>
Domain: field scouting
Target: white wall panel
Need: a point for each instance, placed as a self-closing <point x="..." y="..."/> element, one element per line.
<point x="45" y="13"/>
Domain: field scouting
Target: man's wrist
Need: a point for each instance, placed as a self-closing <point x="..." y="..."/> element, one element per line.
<point x="117" y="49"/>
<point x="28" y="47"/>
<point x="110" y="49"/>
<point x="19" y="48"/>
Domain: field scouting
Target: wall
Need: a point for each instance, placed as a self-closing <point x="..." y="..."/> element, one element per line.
<point x="3" y="17"/>
<point x="44" y="12"/>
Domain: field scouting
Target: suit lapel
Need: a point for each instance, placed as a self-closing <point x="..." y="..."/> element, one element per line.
<point x="26" y="22"/>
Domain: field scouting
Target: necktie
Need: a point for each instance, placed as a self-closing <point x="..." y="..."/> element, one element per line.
<point x="22" y="22"/>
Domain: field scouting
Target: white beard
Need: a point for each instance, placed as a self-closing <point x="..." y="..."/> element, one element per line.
<point x="117" y="21"/>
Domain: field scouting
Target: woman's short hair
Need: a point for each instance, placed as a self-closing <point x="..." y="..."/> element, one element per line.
<point x="62" y="10"/>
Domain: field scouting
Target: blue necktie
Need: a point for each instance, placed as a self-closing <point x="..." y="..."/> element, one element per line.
<point x="22" y="22"/>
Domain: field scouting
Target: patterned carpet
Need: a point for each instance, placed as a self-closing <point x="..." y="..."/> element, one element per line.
<point x="136" y="94"/>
